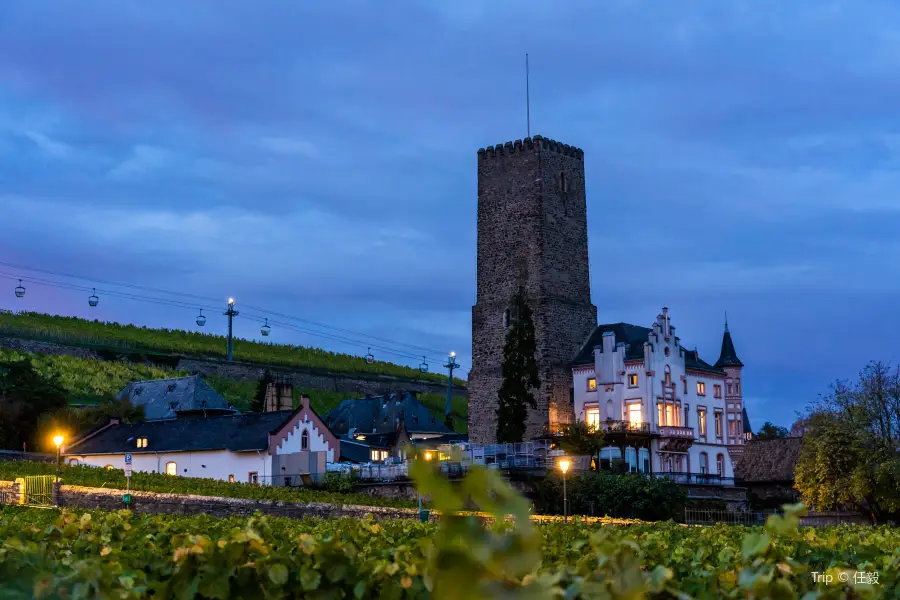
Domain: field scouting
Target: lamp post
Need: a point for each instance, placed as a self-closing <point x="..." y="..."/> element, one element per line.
<point x="419" y="494"/>
<point x="451" y="364"/>
<point x="231" y="314"/>
<point x="58" y="440"/>
<point x="564" y="466"/>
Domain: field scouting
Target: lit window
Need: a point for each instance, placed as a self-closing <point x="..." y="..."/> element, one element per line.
<point x="701" y="421"/>
<point x="591" y="384"/>
<point x="253" y="477"/>
<point x="171" y="468"/>
<point x="634" y="413"/>
<point x="717" y="390"/>
<point x="632" y="380"/>
<point x="660" y="415"/>
<point x="701" y="388"/>
<point x="379" y="455"/>
<point x="304" y="440"/>
<point x="592" y="417"/>
<point x="718" y="424"/>
<point x="732" y="428"/>
<point x="231" y="478"/>
<point x="142" y="442"/>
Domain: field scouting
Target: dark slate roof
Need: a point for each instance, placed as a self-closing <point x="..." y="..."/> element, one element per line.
<point x="634" y="337"/>
<point x="359" y="451"/>
<point x="768" y="461"/>
<point x="243" y="432"/>
<point x="165" y="398"/>
<point x="728" y="357"/>
<point x="693" y="361"/>
<point x="383" y="414"/>
<point x="746" y="420"/>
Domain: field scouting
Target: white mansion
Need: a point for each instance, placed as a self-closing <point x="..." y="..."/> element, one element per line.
<point x="662" y="408"/>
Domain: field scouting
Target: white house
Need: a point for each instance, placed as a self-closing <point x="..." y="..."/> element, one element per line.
<point x="280" y="447"/>
<point x="662" y="407"/>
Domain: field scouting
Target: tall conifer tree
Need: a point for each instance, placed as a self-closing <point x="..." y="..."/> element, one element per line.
<point x="519" y="371"/>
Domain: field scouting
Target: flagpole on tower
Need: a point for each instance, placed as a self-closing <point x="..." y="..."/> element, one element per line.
<point x="527" y="97"/>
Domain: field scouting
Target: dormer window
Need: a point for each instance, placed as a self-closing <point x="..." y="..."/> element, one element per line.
<point x="142" y="442"/>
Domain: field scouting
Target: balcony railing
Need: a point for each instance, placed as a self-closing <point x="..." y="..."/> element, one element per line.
<point x="624" y="427"/>
<point x="696" y="478"/>
<point x="676" y="432"/>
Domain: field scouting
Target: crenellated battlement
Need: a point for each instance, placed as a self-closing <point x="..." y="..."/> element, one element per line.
<point x="529" y="144"/>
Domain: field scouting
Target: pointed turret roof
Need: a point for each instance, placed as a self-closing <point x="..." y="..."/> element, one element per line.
<point x="728" y="356"/>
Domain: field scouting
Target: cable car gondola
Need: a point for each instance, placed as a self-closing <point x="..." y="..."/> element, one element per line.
<point x="20" y="291"/>
<point x="201" y="318"/>
<point x="93" y="300"/>
<point x="424" y="366"/>
<point x="265" y="329"/>
<point x="370" y="358"/>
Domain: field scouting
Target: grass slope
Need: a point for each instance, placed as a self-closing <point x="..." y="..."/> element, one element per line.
<point x="116" y="336"/>
<point x="86" y="381"/>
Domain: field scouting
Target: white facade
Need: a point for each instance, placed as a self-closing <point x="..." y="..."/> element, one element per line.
<point x="668" y="410"/>
<point x="244" y="467"/>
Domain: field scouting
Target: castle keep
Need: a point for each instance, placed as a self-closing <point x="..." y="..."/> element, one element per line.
<point x="532" y="232"/>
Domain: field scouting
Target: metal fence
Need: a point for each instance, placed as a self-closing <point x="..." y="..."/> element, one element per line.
<point x="696" y="478"/>
<point x="39" y="490"/>
<point x="701" y="516"/>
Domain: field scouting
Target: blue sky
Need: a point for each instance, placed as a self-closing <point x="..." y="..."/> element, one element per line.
<point x="318" y="159"/>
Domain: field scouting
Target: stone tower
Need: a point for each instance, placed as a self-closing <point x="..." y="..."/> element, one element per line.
<point x="734" y="395"/>
<point x="532" y="231"/>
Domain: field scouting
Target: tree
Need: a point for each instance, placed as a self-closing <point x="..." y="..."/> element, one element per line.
<point x="24" y="396"/>
<point x="74" y="422"/>
<point x="258" y="403"/>
<point x="519" y="371"/>
<point x="849" y="452"/>
<point x="582" y="439"/>
<point x="770" y="431"/>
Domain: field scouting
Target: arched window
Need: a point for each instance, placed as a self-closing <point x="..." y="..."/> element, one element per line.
<point x="704" y="463"/>
<point x="666" y="351"/>
<point x="171" y="468"/>
<point x="304" y="440"/>
<point x="737" y="386"/>
<point x="668" y="376"/>
<point x="720" y="465"/>
<point x="73" y="461"/>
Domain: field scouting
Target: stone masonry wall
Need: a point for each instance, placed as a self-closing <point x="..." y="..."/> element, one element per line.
<point x="532" y="231"/>
<point x="350" y="383"/>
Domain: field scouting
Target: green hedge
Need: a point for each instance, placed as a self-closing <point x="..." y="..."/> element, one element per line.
<point x="156" y="482"/>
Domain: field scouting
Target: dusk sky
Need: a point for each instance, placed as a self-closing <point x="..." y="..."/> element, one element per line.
<point x="319" y="159"/>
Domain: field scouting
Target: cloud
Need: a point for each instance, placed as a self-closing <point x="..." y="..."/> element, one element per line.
<point x="740" y="155"/>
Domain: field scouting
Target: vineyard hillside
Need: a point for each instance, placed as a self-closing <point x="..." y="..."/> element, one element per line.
<point x="87" y="381"/>
<point x="132" y="338"/>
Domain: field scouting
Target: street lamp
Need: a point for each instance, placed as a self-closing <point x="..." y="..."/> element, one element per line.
<point x="419" y="494"/>
<point x="58" y="439"/>
<point x="448" y="409"/>
<point x="231" y="314"/>
<point x="564" y="466"/>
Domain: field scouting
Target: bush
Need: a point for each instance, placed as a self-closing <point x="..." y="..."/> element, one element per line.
<point x="342" y="483"/>
<point x="632" y="495"/>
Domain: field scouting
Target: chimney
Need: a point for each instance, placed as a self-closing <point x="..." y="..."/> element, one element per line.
<point x="304" y="401"/>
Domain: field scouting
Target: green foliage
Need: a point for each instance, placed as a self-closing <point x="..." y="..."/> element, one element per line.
<point x="849" y="452"/>
<point x="51" y="554"/>
<point x="343" y="483"/>
<point x="131" y="339"/>
<point x="72" y="422"/>
<point x="770" y="431"/>
<point x="159" y="482"/>
<point x="632" y="495"/>
<point x="581" y="439"/>
<point x="519" y="371"/>
<point x="90" y="381"/>
<point x="24" y="396"/>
